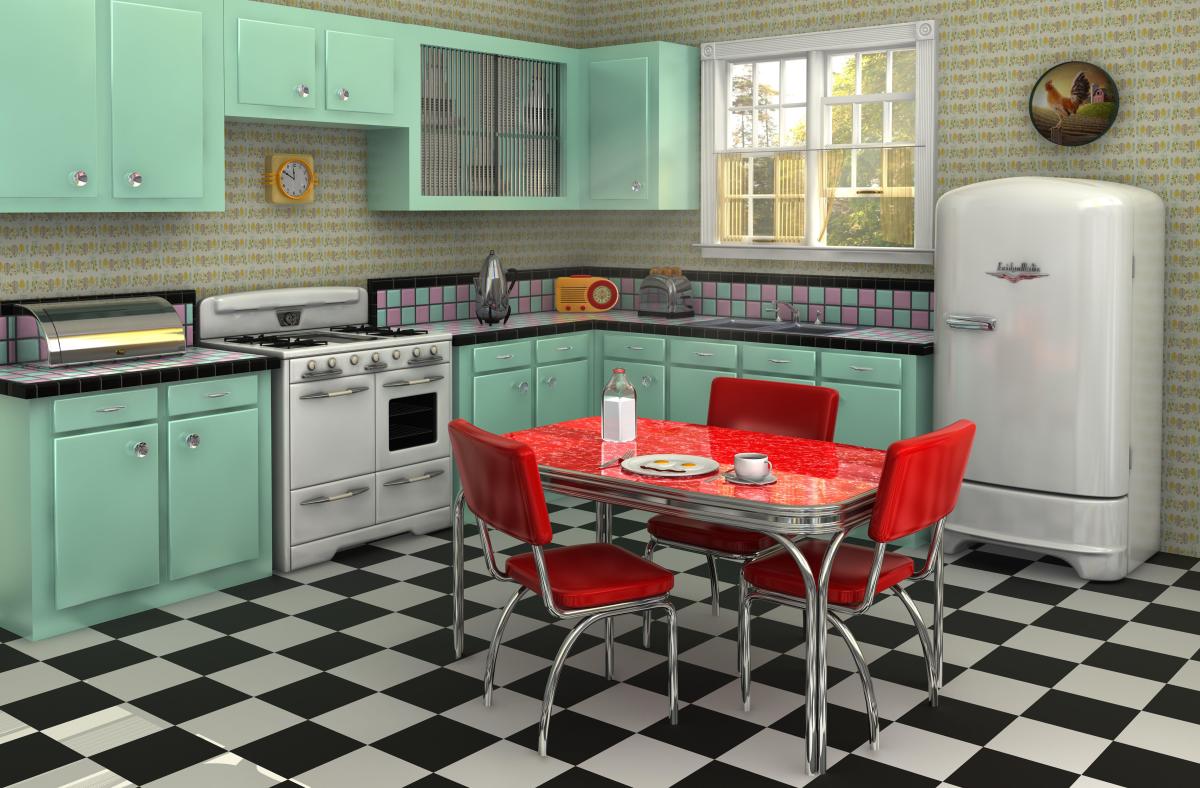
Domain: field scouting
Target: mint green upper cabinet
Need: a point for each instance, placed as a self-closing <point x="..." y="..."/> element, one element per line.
<point x="48" y="60"/>
<point x="618" y="133"/>
<point x="564" y="392"/>
<point x="105" y="514"/>
<point x="360" y="73"/>
<point x="157" y="101"/>
<point x="276" y="64"/>
<point x="643" y="108"/>
<point x="213" y="489"/>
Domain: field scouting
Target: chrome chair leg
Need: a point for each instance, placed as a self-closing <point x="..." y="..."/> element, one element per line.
<point x="712" y="582"/>
<point x="649" y="556"/>
<point x="926" y="645"/>
<point x="609" y="649"/>
<point x="555" y="673"/>
<point x="864" y="675"/>
<point x="939" y="607"/>
<point x="744" y="601"/>
<point x="672" y="663"/>
<point x="489" y="670"/>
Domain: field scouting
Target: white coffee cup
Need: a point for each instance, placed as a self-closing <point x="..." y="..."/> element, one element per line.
<point x="751" y="466"/>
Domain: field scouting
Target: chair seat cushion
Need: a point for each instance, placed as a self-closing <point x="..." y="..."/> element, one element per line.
<point x="707" y="536"/>
<point x="847" y="580"/>
<point x="590" y="575"/>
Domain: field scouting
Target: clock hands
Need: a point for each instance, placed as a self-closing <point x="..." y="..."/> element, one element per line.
<point x="288" y="175"/>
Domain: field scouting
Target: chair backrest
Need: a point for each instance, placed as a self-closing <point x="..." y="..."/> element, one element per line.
<point x="791" y="409"/>
<point x="920" y="482"/>
<point x="501" y="482"/>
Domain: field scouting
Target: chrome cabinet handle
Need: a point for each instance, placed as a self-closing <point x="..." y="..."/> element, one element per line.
<point x="412" y="479"/>
<point x="418" y="382"/>
<point x="636" y="186"/>
<point x="135" y="179"/>
<point x="647" y="381"/>
<point x="343" y="94"/>
<point x="634" y="347"/>
<point x="302" y="90"/>
<point x="563" y="349"/>
<point x="861" y="369"/>
<point x="338" y="497"/>
<point x="779" y="360"/>
<point x="111" y="409"/>
<point x="141" y="450"/>
<point x="504" y="357"/>
<point x="550" y="381"/>
<point x="704" y="355"/>
<point x="332" y="394"/>
<point x="192" y="441"/>
<point x="522" y="387"/>
<point x="218" y="394"/>
<point x="79" y="178"/>
<point x="971" y="322"/>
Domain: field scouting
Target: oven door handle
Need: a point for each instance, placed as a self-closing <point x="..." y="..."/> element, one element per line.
<point x="417" y="382"/>
<point x="339" y="497"/>
<point x="332" y="394"/>
<point x="423" y="477"/>
<point x="319" y="374"/>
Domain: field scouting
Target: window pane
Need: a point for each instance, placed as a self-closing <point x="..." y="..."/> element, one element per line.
<point x="764" y="217"/>
<point x="795" y="81"/>
<point x="795" y="120"/>
<point x="789" y="220"/>
<point x="898" y="168"/>
<point x="904" y="71"/>
<point x="768" y="82"/>
<point x="904" y="121"/>
<point x="764" y="175"/>
<point x="869" y="168"/>
<point x="740" y="128"/>
<point x="790" y="174"/>
<point x="734" y="219"/>
<point x="842" y="71"/>
<point x="841" y="124"/>
<point x="732" y="177"/>
<point x="741" y="84"/>
<point x="870" y="122"/>
<point x="874" y="73"/>
<point x="766" y="133"/>
<point x="855" y="221"/>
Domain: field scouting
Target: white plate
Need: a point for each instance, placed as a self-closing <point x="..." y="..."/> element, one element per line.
<point x="702" y="465"/>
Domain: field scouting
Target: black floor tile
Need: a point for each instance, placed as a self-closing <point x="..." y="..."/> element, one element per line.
<point x="574" y="685"/>
<point x="437" y="742"/>
<point x="315" y="695"/>
<point x="1025" y="666"/>
<point x="31" y="755"/>
<point x="1134" y="767"/>
<point x="573" y="737"/>
<point x="69" y="702"/>
<point x="709" y="733"/>
<point x="992" y="562"/>
<point x="325" y="653"/>
<point x="959" y="720"/>
<point x="686" y="638"/>
<point x="1079" y="713"/>
<point x="1167" y="617"/>
<point x="899" y="667"/>
<point x="442" y="580"/>
<point x="215" y="655"/>
<point x="440" y="611"/>
<point x="157" y="755"/>
<point x="1189" y="580"/>
<point x="358" y="581"/>
<point x="444" y="553"/>
<point x="367" y="555"/>
<point x="343" y="614"/>
<point x="11" y="658"/>
<point x="138" y="622"/>
<point x="722" y="774"/>
<point x="1033" y="590"/>
<point x="695" y="681"/>
<point x="880" y="631"/>
<point x="272" y="584"/>
<point x="952" y="596"/>
<point x="546" y="641"/>
<point x="787" y="673"/>
<point x="979" y="627"/>
<point x="1076" y="622"/>
<point x="236" y="618"/>
<point x="1180" y="703"/>
<point x="98" y="659"/>
<point x="854" y="771"/>
<point x="1172" y="560"/>
<point x="991" y="769"/>
<point x="767" y="633"/>
<point x="438" y="690"/>
<point x="191" y="699"/>
<point x="295" y="750"/>
<point x="1130" y="588"/>
<point x="1152" y="665"/>
<point x="438" y="647"/>
<point x="847" y="730"/>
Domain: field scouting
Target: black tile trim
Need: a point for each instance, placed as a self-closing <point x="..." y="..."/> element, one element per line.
<point x="149" y="377"/>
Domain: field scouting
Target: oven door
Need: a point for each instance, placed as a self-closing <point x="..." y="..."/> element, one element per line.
<point x="332" y="429"/>
<point x="412" y="413"/>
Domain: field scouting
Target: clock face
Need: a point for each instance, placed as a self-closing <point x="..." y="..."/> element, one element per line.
<point x="294" y="179"/>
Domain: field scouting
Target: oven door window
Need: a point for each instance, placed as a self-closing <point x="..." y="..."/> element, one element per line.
<point x="412" y="421"/>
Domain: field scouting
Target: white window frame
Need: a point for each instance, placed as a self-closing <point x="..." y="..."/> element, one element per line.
<point x="715" y="59"/>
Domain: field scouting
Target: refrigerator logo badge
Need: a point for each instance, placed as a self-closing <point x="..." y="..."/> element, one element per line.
<point x="1017" y="272"/>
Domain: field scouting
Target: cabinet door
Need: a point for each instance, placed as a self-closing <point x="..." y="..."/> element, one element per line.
<point x="158" y="99"/>
<point x="867" y="415"/>
<point x="563" y="392"/>
<point x="688" y="392"/>
<point x="105" y="514"/>
<point x="782" y="379"/>
<point x="503" y="401"/>
<point x="212" y="492"/>
<point x="48" y="73"/>
<point x="618" y="129"/>
<point x="650" y="381"/>
<point x="360" y="73"/>
<point x="276" y="63"/>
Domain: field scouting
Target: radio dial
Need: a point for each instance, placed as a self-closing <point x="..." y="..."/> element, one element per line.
<point x="332" y="363"/>
<point x="375" y="357"/>
<point x="416" y="352"/>
<point x="354" y="361"/>
<point x="312" y="364"/>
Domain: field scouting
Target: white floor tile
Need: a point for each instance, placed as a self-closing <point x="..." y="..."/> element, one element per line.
<point x="142" y="678"/>
<point x="383" y="669"/>
<point x="80" y="774"/>
<point x="1049" y="744"/>
<point x="227" y="770"/>
<point x="172" y="637"/>
<point x="400" y="596"/>
<point x="776" y="755"/>
<point x="264" y="674"/>
<point x="511" y="665"/>
<point x="1167" y="735"/>
<point x="958" y="650"/>
<point x="1119" y="688"/>
<point x="372" y="718"/>
<point x="241" y="723"/>
<point x="625" y="706"/>
<point x="298" y="599"/>
<point x="920" y="751"/>
<point x="315" y="572"/>
<point x="1157" y="639"/>
<point x="1052" y="573"/>
<point x="1188" y="676"/>
<point x="505" y="765"/>
<point x="976" y="579"/>
<point x="627" y="660"/>
<point x="282" y="633"/>
<point x="510" y="712"/>
<point x="644" y="762"/>
<point x="103" y="730"/>
<point x="1185" y="598"/>
<point x="1157" y="573"/>
<point x="60" y="644"/>
<point x="1109" y="605"/>
<point x="32" y="679"/>
<point x="767" y="704"/>
<point x="1052" y="643"/>
<point x="1005" y="607"/>
<point x="895" y="700"/>
<point x="364" y="768"/>
<point x="992" y="691"/>
<point x="190" y="608"/>
<point x="391" y="629"/>
<point x="405" y="567"/>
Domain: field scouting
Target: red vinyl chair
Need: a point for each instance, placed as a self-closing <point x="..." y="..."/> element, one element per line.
<point x="589" y="582"/>
<point x="918" y="489"/>
<point x="791" y="409"/>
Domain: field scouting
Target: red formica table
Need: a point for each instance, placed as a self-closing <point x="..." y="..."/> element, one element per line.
<point x="823" y="489"/>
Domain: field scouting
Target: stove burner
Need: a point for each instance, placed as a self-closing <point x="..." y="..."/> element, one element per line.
<point x="379" y="331"/>
<point x="277" y="340"/>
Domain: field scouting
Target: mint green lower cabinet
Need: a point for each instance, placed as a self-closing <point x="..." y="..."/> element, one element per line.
<point x="650" y="381"/>
<point x="564" y="392"/>
<point x="688" y="393"/>
<point x="503" y="401"/>
<point x="105" y="514"/>
<point x="782" y="379"/>
<point x="213" y="492"/>
<point x="867" y="415"/>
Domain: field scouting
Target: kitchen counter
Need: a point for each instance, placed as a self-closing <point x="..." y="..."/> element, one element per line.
<point x="30" y="381"/>
<point x="913" y="342"/>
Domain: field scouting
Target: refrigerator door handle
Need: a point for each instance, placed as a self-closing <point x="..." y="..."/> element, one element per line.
<point x="971" y="322"/>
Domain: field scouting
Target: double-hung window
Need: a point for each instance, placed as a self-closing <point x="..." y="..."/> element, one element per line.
<point x="820" y="146"/>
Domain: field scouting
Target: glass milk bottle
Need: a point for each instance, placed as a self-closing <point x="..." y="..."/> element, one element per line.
<point x="618" y="409"/>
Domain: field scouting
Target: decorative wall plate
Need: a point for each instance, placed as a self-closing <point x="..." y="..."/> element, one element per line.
<point x="1074" y="103"/>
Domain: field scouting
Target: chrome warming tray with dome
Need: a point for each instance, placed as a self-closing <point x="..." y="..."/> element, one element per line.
<point x="87" y="331"/>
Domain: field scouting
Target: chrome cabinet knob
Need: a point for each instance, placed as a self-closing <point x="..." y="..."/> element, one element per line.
<point x="192" y="441"/>
<point x="522" y="387"/>
<point x="135" y="179"/>
<point x="375" y="357"/>
<point x="312" y="364"/>
<point x="343" y="94"/>
<point x="636" y="186"/>
<point x="647" y="381"/>
<point x="141" y="450"/>
<point x="550" y="381"/>
<point x="79" y="178"/>
<point x="302" y="90"/>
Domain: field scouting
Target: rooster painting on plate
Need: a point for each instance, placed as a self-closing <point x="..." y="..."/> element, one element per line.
<point x="1073" y="103"/>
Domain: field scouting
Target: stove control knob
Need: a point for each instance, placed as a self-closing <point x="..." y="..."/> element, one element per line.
<point x="312" y="365"/>
<point x="375" y="357"/>
<point x="332" y="363"/>
<point x="416" y="352"/>
<point x="433" y="350"/>
<point x="396" y="354"/>
<point x="354" y="361"/>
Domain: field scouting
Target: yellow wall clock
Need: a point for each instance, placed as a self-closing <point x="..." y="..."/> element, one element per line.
<point x="290" y="178"/>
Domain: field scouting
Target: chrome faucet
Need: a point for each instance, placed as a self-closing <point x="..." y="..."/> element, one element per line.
<point x="790" y="306"/>
<point x="817" y="313"/>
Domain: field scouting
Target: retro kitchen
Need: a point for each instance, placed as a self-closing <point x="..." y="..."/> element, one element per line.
<point x="556" y="393"/>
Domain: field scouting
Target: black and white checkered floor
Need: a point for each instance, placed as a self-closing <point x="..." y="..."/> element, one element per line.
<point x="341" y="675"/>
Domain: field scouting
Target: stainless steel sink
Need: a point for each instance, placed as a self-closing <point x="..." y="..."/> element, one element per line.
<point x="739" y="322"/>
<point x="812" y="329"/>
<point x="774" y="326"/>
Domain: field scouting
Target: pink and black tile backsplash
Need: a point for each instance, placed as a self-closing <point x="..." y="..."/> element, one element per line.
<point x="854" y="301"/>
<point x="22" y="343"/>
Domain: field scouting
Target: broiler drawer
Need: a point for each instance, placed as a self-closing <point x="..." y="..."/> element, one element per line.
<point x="330" y="509"/>
<point x="413" y="489"/>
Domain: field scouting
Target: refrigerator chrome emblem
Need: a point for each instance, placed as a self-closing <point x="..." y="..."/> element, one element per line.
<point x="1012" y="272"/>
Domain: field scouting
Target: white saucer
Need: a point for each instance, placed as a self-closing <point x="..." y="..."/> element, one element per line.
<point x="733" y="478"/>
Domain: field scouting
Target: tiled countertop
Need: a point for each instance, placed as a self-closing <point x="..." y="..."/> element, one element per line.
<point x="913" y="342"/>
<point x="29" y="381"/>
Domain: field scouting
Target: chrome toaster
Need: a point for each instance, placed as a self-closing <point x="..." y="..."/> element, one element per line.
<point x="665" y="295"/>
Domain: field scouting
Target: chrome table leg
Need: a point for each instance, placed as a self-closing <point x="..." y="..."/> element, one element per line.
<point x="744" y="602"/>
<point x="672" y="663"/>
<point x="604" y="534"/>
<point x="456" y="539"/>
<point x="649" y="556"/>
<point x="712" y="581"/>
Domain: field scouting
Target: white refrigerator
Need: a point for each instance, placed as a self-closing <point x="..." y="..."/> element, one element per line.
<point x="1049" y="337"/>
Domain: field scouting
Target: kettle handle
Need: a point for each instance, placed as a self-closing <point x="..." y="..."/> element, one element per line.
<point x="511" y="275"/>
